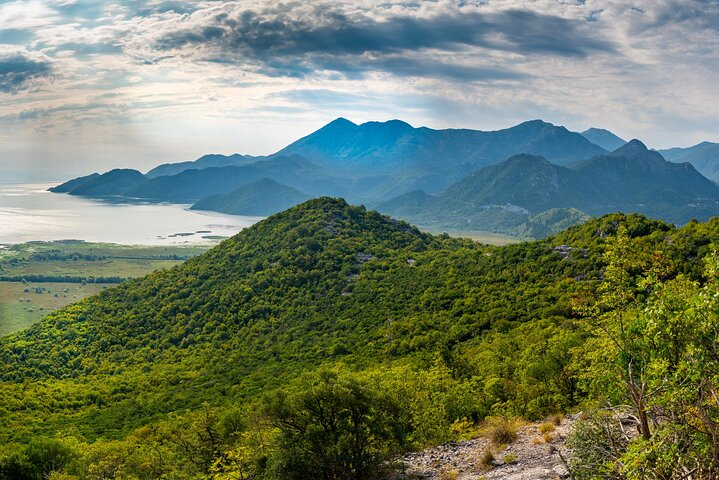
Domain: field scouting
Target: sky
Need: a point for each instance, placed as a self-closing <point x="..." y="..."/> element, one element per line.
<point x="91" y="85"/>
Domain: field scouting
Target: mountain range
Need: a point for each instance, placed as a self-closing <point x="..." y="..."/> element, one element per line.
<point x="262" y="197"/>
<point x="604" y="138"/>
<point x="704" y="156"/>
<point x="528" y="180"/>
<point x="509" y="195"/>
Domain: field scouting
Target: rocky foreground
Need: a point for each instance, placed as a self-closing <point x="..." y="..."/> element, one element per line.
<point x="537" y="453"/>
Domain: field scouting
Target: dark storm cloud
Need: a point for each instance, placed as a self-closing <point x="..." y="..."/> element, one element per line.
<point x="18" y="70"/>
<point x="400" y="66"/>
<point x="695" y="14"/>
<point x="283" y="45"/>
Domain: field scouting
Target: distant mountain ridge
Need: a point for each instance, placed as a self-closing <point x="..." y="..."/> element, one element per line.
<point x="396" y="144"/>
<point x="192" y="185"/>
<point x="383" y="158"/>
<point x="604" y="138"/>
<point x="113" y="183"/>
<point x="363" y="163"/>
<point x="432" y="159"/>
<point x="506" y="195"/>
<point x="73" y="184"/>
<point x="704" y="156"/>
<point x="205" y="161"/>
<point x="457" y="178"/>
<point x="262" y="197"/>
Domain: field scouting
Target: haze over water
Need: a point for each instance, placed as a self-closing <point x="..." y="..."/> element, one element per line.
<point x="29" y="212"/>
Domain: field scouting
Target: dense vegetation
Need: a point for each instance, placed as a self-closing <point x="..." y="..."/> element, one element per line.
<point x="325" y="339"/>
<point x="68" y="270"/>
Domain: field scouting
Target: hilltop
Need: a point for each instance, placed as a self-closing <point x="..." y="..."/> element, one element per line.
<point x="604" y="138"/>
<point x="262" y="197"/>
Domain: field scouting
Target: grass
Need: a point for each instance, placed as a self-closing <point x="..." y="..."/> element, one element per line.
<point x="112" y="260"/>
<point x="449" y="475"/>
<point x="556" y="419"/>
<point x="124" y="268"/>
<point x="502" y="431"/>
<point x="486" y="460"/>
<point x="20" y="309"/>
<point x="476" y="235"/>
<point x="23" y="250"/>
<point x="547" y="427"/>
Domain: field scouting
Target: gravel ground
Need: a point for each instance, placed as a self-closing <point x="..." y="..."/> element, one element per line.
<point x="532" y="456"/>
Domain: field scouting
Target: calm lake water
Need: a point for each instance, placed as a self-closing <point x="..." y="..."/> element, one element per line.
<point x="30" y="212"/>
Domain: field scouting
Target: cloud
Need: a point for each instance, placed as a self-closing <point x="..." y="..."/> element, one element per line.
<point x="285" y="42"/>
<point x="20" y="69"/>
<point x="251" y="75"/>
<point x="26" y="14"/>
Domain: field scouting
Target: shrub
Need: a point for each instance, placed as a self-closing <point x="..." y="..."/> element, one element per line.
<point x="333" y="426"/>
<point x="503" y="431"/>
<point x="486" y="459"/>
<point x="597" y="443"/>
<point x="546" y="428"/>
<point x="449" y="475"/>
<point x="556" y="419"/>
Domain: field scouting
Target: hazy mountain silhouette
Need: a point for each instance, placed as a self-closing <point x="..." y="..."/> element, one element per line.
<point x="704" y="156"/>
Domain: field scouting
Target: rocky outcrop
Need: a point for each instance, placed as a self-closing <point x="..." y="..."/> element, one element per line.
<point x="536" y="454"/>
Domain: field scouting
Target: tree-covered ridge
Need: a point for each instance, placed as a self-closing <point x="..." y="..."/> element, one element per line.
<point x="528" y="196"/>
<point x="447" y="331"/>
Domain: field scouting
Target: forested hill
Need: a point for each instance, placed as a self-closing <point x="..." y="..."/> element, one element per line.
<point x="441" y="328"/>
<point x="311" y="285"/>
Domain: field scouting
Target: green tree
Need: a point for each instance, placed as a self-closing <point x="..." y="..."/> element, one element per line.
<point x="334" y="427"/>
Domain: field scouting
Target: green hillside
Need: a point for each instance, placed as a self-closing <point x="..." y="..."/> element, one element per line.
<point x="262" y="197"/>
<point x="177" y="374"/>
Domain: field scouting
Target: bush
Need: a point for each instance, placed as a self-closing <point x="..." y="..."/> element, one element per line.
<point x="449" y="475"/>
<point x="332" y="426"/>
<point x="597" y="443"/>
<point x="486" y="459"/>
<point x="37" y="460"/>
<point x="546" y="428"/>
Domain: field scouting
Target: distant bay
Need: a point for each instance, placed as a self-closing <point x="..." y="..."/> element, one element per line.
<point x="29" y="212"/>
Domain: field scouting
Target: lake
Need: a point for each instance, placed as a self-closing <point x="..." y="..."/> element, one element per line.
<point x="29" y="212"/>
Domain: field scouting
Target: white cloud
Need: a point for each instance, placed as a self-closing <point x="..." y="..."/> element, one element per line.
<point x="646" y="69"/>
<point x="29" y="14"/>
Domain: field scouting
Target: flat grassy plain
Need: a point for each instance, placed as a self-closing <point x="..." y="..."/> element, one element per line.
<point x="23" y="303"/>
<point x="20" y="309"/>
<point x="110" y="267"/>
<point x="488" y="238"/>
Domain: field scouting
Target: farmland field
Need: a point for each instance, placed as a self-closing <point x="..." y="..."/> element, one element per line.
<point x="51" y="275"/>
<point x="20" y="308"/>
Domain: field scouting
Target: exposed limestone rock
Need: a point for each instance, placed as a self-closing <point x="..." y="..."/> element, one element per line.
<point x="533" y="456"/>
